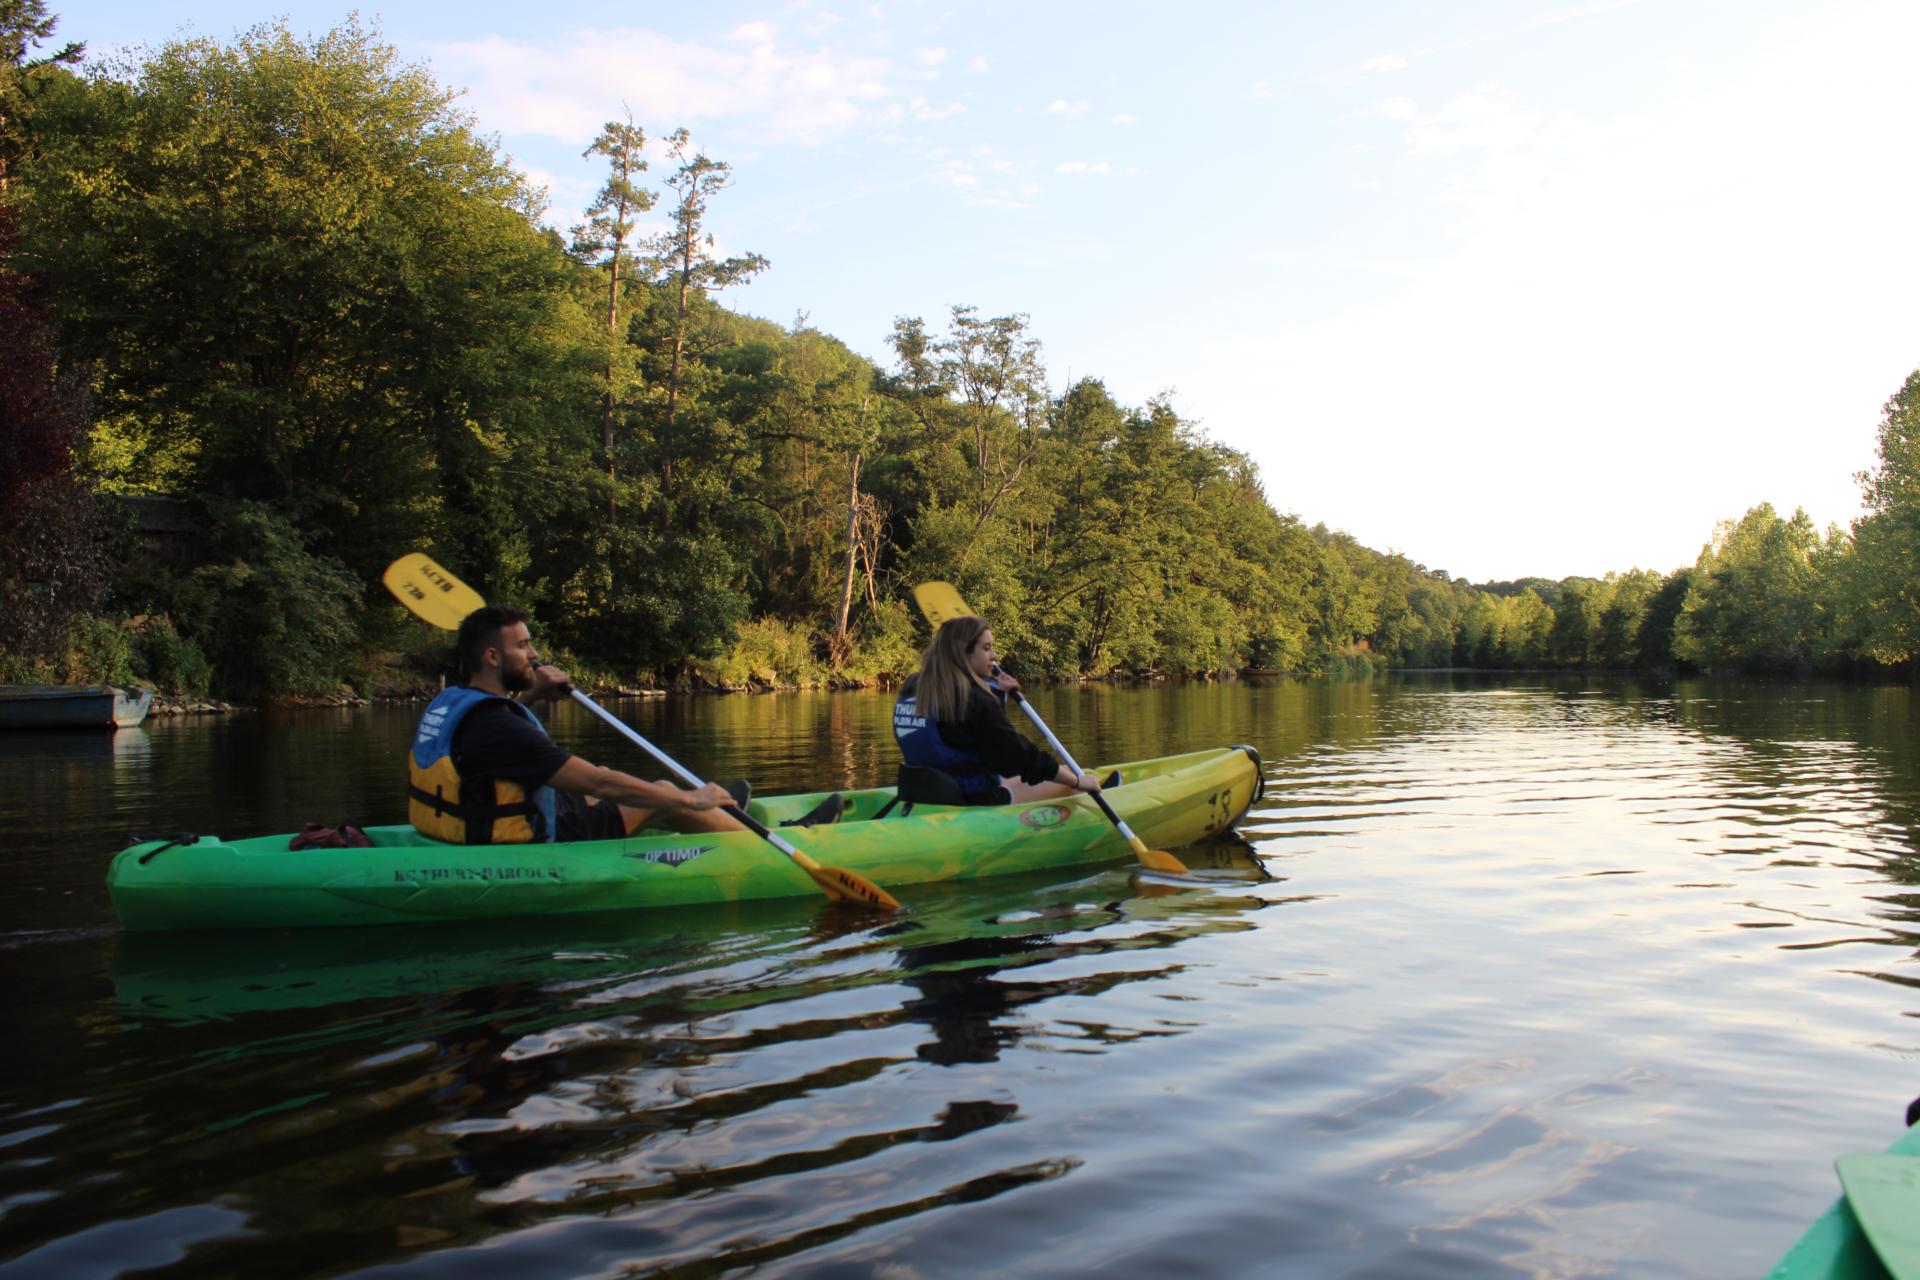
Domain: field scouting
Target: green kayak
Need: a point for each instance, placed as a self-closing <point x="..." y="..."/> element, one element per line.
<point x="1868" y="1233"/>
<point x="405" y="878"/>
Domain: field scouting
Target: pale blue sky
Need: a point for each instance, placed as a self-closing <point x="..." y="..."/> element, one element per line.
<point x="1512" y="288"/>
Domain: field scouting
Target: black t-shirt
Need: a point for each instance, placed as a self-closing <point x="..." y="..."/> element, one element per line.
<point x="501" y="741"/>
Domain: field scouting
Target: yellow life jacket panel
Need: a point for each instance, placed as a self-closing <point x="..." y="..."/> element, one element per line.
<point x="445" y="806"/>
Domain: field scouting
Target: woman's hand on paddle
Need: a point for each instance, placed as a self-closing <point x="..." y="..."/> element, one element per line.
<point x="1003" y="681"/>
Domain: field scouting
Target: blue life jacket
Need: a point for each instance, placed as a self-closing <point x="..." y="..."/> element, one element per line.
<point x="460" y="810"/>
<point x="922" y="746"/>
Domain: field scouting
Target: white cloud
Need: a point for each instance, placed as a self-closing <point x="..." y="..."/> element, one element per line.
<point x="924" y="110"/>
<point x="930" y="57"/>
<point x="985" y="179"/>
<point x="1384" y="64"/>
<point x="1061" y="107"/>
<point x="1084" y="167"/>
<point x="978" y="63"/>
<point x="1124" y="118"/>
<point x="821" y="23"/>
<point x="1386" y="109"/>
<point x="1490" y="119"/>
<point x="1262" y="90"/>
<point x="750" y="87"/>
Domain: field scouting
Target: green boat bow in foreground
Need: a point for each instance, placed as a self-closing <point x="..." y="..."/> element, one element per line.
<point x="210" y="883"/>
<point x="1837" y="1246"/>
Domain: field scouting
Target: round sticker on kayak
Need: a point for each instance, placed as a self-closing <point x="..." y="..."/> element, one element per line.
<point x="1044" y="815"/>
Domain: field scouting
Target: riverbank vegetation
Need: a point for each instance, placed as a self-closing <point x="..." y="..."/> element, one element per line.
<point x="274" y="311"/>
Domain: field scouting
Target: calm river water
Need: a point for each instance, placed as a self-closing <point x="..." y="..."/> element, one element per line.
<point x="1521" y="977"/>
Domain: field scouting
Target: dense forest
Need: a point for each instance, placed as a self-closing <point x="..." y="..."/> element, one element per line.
<point x="274" y="311"/>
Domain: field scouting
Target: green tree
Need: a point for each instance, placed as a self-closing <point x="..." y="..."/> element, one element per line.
<point x="601" y="241"/>
<point x="1753" y="602"/>
<point x="299" y="273"/>
<point x="1624" y="615"/>
<point x="1577" y="622"/>
<point x="682" y="259"/>
<point x="1653" y="646"/>
<point x="1885" y="575"/>
<point x="1526" y="629"/>
<point x="24" y="24"/>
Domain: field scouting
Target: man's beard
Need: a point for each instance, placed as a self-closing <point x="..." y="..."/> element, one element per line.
<point x="517" y="679"/>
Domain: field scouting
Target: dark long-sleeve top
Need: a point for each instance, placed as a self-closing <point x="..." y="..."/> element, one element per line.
<point x="987" y="731"/>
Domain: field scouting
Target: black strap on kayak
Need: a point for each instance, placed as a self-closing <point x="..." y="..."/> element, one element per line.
<point x="167" y="839"/>
<point x="1259" y="771"/>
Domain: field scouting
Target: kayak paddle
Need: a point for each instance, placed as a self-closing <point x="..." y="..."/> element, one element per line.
<point x="435" y="596"/>
<point x="939" y="601"/>
<point x="838" y="883"/>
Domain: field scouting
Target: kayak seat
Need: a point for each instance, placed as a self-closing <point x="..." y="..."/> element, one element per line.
<point x="917" y="784"/>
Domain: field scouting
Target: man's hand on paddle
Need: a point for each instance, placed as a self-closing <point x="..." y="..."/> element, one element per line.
<point x="549" y="684"/>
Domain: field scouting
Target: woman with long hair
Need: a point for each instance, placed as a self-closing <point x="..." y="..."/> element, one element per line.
<point x="951" y="716"/>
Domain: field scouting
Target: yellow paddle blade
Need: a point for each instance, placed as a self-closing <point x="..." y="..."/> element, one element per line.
<point x="939" y="601"/>
<point x="1157" y="859"/>
<point x="845" y="886"/>
<point x="433" y="594"/>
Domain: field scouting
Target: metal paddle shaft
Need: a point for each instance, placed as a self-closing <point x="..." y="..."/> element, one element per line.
<point x="1158" y="859"/>
<point x="838" y="883"/>
<point x="939" y="601"/>
<point x="685" y="775"/>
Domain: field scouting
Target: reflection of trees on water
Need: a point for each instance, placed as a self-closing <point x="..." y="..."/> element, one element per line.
<point x="1818" y="753"/>
<point x="369" y="1094"/>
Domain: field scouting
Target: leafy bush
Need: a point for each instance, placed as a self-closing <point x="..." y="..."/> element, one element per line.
<point x="91" y="650"/>
<point x="99" y="651"/>
<point x="269" y="615"/>
<point x="887" y="645"/>
<point x="167" y="660"/>
<point x="769" y="653"/>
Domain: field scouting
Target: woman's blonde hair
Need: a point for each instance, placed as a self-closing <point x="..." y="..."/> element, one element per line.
<point x="946" y="683"/>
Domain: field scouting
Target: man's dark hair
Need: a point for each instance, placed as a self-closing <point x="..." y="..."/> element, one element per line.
<point x="480" y="631"/>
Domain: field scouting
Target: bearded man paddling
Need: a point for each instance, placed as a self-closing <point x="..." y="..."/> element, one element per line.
<point x="482" y="769"/>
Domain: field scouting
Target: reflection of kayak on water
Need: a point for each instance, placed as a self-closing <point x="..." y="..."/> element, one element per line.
<point x="405" y="878"/>
<point x="193" y="977"/>
<point x="197" y="976"/>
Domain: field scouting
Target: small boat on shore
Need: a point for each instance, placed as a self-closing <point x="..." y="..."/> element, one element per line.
<point x="205" y="882"/>
<point x="72" y="706"/>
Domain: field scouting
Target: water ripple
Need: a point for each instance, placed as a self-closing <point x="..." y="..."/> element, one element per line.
<point x="1549" y="979"/>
